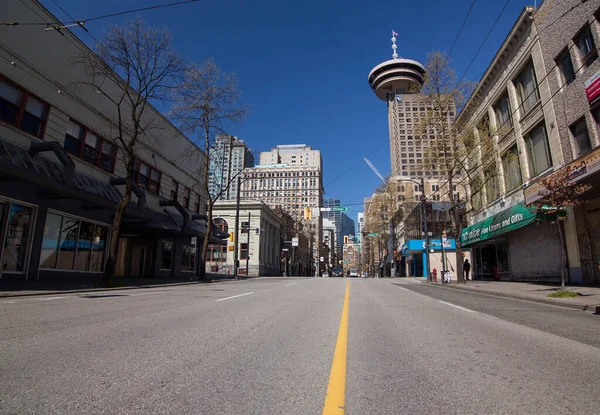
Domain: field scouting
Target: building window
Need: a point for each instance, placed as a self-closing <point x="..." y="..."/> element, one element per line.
<point x="16" y="220"/>
<point x="596" y="115"/>
<point x="72" y="244"/>
<point x="186" y="197"/>
<point x="21" y="109"/>
<point x="188" y="258"/>
<point x="217" y="253"/>
<point x="435" y="187"/>
<point x="538" y="153"/>
<point x="166" y="256"/>
<point x="196" y="208"/>
<point x="565" y="66"/>
<point x="491" y="183"/>
<point x="581" y="136"/>
<point x="512" y="169"/>
<point x="84" y="144"/>
<point x="147" y="177"/>
<point x="502" y="111"/>
<point x="586" y="46"/>
<point x="174" y="190"/>
<point x="243" y="251"/>
<point x="527" y="89"/>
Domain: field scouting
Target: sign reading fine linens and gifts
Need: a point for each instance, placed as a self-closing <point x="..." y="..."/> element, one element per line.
<point x="508" y="220"/>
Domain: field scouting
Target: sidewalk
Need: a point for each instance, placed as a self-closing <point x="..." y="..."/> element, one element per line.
<point x="27" y="288"/>
<point x="588" y="298"/>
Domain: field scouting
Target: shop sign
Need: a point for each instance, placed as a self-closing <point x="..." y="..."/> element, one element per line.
<point x="508" y="220"/>
<point x="592" y="88"/>
<point x="578" y="170"/>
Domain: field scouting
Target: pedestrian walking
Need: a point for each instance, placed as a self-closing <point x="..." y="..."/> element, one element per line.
<point x="466" y="269"/>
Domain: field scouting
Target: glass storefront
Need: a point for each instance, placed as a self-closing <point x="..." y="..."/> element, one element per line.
<point x="491" y="259"/>
<point x="71" y="244"/>
<point x="16" y="222"/>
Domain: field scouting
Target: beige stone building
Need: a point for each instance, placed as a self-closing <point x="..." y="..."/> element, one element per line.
<point x="530" y="117"/>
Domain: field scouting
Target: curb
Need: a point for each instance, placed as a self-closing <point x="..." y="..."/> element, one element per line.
<point x="520" y="297"/>
<point x="129" y="287"/>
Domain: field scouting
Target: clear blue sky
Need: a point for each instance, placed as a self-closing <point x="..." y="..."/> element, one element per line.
<point x="303" y="66"/>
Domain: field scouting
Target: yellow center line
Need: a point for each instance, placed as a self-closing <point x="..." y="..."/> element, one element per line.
<point x="336" y="390"/>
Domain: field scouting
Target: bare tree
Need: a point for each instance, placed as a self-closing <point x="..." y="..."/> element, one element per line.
<point x="206" y="103"/>
<point x="559" y="191"/>
<point x="450" y="146"/>
<point x="133" y="66"/>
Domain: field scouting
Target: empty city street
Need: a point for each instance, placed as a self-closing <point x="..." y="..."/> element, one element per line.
<point x="266" y="346"/>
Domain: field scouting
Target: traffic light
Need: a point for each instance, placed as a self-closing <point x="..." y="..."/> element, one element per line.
<point x="231" y="236"/>
<point x="307" y="213"/>
<point x="345" y="239"/>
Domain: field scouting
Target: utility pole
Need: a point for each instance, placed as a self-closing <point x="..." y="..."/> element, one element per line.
<point x="426" y="229"/>
<point x="236" y="247"/>
<point x="248" y="245"/>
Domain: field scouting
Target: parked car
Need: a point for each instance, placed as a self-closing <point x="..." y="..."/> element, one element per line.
<point x="364" y="274"/>
<point x="353" y="273"/>
<point x="337" y="272"/>
<point x="325" y="274"/>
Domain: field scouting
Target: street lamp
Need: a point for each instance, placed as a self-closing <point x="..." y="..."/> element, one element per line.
<point x="425" y="227"/>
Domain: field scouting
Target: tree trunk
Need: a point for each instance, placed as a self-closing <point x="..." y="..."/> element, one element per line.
<point x="562" y="255"/>
<point x="111" y="263"/>
<point x="206" y="241"/>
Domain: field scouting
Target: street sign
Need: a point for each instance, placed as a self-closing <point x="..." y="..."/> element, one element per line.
<point x="340" y="209"/>
<point x="285" y="249"/>
<point x="373" y="234"/>
<point x="325" y="209"/>
<point x="294" y="241"/>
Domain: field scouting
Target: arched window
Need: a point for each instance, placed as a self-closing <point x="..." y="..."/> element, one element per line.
<point x="221" y="224"/>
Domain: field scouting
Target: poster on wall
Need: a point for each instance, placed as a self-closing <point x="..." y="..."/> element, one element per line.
<point x="17" y="236"/>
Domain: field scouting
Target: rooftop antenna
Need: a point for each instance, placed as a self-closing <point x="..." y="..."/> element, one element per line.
<point x="394" y="47"/>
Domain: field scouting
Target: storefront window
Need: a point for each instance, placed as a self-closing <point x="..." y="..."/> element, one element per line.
<point x="166" y="259"/>
<point x="71" y="244"/>
<point x="84" y="246"/>
<point x="16" y="240"/>
<point x="188" y="258"/>
<point x="98" y="249"/>
<point x="502" y="251"/>
<point x="50" y="241"/>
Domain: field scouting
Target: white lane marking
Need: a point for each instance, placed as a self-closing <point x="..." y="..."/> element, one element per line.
<point x="49" y="298"/>
<point x="234" y="296"/>
<point x="402" y="288"/>
<point x="7" y="302"/>
<point x="292" y="283"/>
<point x="456" y="306"/>
<point x="134" y="295"/>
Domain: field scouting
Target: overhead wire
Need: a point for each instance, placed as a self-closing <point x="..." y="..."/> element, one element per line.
<point x="80" y="22"/>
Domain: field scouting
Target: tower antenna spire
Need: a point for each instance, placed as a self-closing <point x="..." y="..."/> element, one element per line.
<point x="394" y="47"/>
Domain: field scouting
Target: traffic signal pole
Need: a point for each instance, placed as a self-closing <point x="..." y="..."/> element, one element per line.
<point x="236" y="247"/>
<point x="426" y="229"/>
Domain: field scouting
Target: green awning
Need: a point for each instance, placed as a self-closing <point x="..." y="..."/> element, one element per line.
<point x="508" y="220"/>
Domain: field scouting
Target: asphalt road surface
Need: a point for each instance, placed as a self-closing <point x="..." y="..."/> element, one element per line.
<point x="294" y="346"/>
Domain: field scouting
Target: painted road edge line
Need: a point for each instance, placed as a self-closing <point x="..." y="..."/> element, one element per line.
<point x="48" y="298"/>
<point x="234" y="296"/>
<point x="336" y="390"/>
<point x="291" y="283"/>
<point x="457" y="306"/>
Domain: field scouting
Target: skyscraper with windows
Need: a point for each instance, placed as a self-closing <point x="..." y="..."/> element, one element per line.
<point x="293" y="155"/>
<point x="228" y="156"/>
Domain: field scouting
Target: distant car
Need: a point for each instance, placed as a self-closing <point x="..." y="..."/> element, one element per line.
<point x="325" y="274"/>
<point x="364" y="274"/>
<point x="337" y="272"/>
<point x="353" y="273"/>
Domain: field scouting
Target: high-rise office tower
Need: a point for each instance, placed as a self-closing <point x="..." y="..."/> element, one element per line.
<point x="228" y="156"/>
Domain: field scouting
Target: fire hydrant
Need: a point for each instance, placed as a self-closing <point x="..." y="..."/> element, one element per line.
<point x="434" y="272"/>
